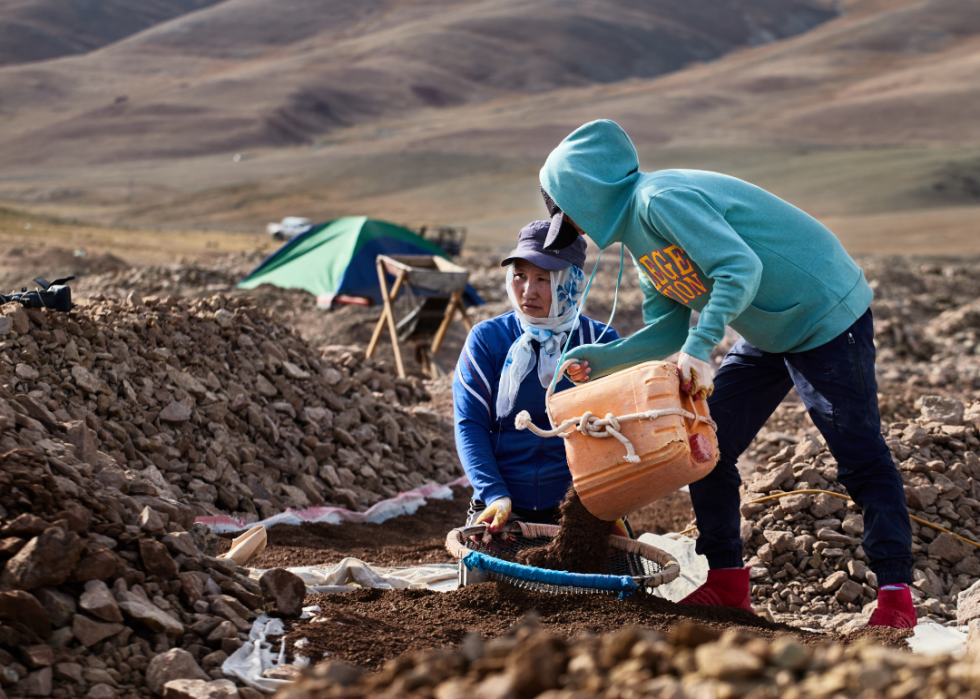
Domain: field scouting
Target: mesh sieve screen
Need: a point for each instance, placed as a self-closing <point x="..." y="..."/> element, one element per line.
<point x="620" y="562"/>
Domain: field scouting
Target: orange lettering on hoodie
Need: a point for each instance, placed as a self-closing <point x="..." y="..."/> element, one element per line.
<point x="676" y="279"/>
<point x="656" y="276"/>
<point x="684" y="265"/>
<point x="663" y="265"/>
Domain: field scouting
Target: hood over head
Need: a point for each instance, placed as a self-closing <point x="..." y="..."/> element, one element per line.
<point x="591" y="176"/>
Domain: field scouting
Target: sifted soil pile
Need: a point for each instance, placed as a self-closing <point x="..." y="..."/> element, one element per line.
<point x="400" y="541"/>
<point x="687" y="661"/>
<point x="415" y="538"/>
<point x="370" y="627"/>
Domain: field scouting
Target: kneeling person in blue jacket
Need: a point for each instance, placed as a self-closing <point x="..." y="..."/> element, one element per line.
<point x="505" y="367"/>
<point x="742" y="257"/>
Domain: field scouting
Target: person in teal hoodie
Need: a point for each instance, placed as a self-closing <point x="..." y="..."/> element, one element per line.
<point x="741" y="257"/>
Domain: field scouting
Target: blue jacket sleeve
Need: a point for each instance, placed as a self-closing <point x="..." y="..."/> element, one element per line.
<point x="473" y="412"/>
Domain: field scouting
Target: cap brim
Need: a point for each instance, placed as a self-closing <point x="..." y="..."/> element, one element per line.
<point x="561" y="234"/>
<point x="541" y="259"/>
<point x="554" y="229"/>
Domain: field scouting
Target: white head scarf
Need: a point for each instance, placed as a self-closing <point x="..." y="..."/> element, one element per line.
<point x="567" y="286"/>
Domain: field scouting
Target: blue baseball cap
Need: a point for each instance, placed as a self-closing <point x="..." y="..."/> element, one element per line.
<point x="531" y="247"/>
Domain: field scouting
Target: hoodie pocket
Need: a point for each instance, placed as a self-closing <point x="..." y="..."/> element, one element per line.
<point x="773" y="331"/>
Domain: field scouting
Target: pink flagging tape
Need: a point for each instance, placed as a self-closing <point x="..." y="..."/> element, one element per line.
<point x="406" y="503"/>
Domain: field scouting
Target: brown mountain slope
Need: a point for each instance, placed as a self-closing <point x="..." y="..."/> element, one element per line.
<point x="899" y="169"/>
<point x="251" y="73"/>
<point x="899" y="76"/>
<point x="37" y="30"/>
<point x="867" y="121"/>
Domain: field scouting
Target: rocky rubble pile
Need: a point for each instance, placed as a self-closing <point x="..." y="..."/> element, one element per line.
<point x="692" y="661"/>
<point x="805" y="549"/>
<point x="213" y="403"/>
<point x="927" y="320"/>
<point x="99" y="588"/>
<point x="182" y="278"/>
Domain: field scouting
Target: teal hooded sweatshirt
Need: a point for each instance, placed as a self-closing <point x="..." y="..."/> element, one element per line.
<point x="703" y="241"/>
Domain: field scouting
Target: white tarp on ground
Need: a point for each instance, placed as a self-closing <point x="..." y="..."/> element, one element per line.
<point x="935" y="639"/>
<point x="249" y="662"/>
<point x="255" y="657"/>
<point x="694" y="568"/>
<point x="352" y="573"/>
<point x="406" y="503"/>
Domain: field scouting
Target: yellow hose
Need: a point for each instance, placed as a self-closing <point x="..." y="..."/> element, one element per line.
<point x="844" y="497"/>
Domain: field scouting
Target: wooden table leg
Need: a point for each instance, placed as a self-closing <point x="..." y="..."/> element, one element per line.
<point x="466" y="316"/>
<point x="454" y="300"/>
<point x="376" y="335"/>
<point x="388" y="298"/>
<point x="390" y="315"/>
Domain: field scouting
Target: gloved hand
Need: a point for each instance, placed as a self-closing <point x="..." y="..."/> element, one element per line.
<point x="696" y="376"/>
<point x="619" y="528"/>
<point x="497" y="514"/>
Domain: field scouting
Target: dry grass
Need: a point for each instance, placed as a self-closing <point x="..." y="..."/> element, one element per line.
<point x="45" y="245"/>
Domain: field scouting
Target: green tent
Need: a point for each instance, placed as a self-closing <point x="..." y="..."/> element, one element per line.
<point x="338" y="258"/>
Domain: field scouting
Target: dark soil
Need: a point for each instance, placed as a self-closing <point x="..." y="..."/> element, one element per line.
<point x="672" y="513"/>
<point x="581" y="545"/>
<point x="401" y="541"/>
<point x="368" y="627"/>
<point x="417" y="538"/>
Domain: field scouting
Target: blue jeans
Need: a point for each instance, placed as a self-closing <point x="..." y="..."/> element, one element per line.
<point x="837" y="384"/>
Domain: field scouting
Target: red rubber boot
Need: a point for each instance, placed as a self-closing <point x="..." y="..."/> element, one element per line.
<point x="895" y="609"/>
<point x="725" y="587"/>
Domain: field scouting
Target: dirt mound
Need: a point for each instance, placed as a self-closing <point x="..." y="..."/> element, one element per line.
<point x="400" y="541"/>
<point x="116" y="432"/>
<point x="52" y="263"/>
<point x="370" y="627"/>
<point x="690" y="660"/>
<point x="417" y="538"/>
<point x="213" y="403"/>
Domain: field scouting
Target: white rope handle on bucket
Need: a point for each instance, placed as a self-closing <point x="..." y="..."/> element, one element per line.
<point x="600" y="428"/>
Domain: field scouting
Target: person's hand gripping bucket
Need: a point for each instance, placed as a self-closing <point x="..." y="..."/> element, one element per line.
<point x="696" y="376"/>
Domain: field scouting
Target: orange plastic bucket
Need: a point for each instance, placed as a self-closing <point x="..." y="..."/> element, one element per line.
<point x="609" y="485"/>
